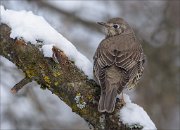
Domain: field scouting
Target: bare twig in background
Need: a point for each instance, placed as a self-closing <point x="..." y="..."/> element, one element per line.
<point x="70" y="15"/>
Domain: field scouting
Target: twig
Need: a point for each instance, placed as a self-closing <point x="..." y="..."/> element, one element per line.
<point x="20" y="85"/>
<point x="70" y="15"/>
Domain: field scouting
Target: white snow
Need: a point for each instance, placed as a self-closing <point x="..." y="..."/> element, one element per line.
<point x="30" y="27"/>
<point x="132" y="114"/>
<point x="47" y="50"/>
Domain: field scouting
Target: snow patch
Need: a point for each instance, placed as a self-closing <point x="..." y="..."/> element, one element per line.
<point x="47" y="50"/>
<point x="33" y="28"/>
<point x="125" y="96"/>
<point x="132" y="114"/>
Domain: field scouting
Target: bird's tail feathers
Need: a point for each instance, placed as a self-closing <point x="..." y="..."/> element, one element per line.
<point x="101" y="102"/>
<point x="107" y="100"/>
<point x="113" y="84"/>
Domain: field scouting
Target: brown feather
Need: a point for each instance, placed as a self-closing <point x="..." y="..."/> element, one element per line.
<point x="117" y="62"/>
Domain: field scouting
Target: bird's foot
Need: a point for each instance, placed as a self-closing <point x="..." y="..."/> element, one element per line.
<point x="134" y="126"/>
<point x="122" y="101"/>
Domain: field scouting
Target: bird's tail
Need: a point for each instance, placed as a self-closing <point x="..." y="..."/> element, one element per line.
<point x="114" y="82"/>
<point x="107" y="100"/>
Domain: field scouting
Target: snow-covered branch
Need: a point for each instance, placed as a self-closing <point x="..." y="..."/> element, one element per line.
<point x="46" y="57"/>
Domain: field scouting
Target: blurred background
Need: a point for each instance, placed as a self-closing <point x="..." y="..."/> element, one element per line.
<point x="156" y="24"/>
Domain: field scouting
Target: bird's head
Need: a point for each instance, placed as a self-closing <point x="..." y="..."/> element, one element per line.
<point x="116" y="26"/>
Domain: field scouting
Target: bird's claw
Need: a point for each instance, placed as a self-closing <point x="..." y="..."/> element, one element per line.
<point x="122" y="102"/>
<point x="134" y="126"/>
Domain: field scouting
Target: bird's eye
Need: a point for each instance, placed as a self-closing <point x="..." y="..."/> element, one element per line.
<point x="116" y="26"/>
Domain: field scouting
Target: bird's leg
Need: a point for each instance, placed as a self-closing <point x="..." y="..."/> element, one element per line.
<point x="122" y="102"/>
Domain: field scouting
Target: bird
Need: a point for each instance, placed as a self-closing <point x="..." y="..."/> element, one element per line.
<point x="118" y="62"/>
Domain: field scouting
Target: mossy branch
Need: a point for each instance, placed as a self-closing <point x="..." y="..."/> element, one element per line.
<point x="63" y="79"/>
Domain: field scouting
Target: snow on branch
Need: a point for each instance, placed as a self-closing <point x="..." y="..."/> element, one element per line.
<point x="135" y="116"/>
<point x="34" y="28"/>
<point x="31" y="43"/>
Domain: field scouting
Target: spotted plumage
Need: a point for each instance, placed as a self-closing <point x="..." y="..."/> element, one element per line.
<point x="118" y="62"/>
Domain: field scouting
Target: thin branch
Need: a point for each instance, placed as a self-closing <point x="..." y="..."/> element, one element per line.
<point x="20" y="85"/>
<point x="70" y="15"/>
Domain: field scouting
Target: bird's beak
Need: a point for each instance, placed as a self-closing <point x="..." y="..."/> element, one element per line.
<point x="103" y="24"/>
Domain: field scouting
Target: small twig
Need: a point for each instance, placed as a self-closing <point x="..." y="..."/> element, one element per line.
<point x="20" y="85"/>
<point x="70" y="15"/>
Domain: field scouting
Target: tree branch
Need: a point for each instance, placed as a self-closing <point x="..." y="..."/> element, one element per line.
<point x="63" y="79"/>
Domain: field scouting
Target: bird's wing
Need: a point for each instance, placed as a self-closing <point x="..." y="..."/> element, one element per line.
<point x="102" y="59"/>
<point x="127" y="59"/>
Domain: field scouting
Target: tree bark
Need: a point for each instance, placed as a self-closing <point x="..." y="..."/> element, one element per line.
<point x="63" y="79"/>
